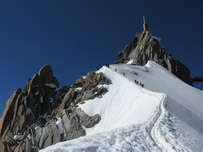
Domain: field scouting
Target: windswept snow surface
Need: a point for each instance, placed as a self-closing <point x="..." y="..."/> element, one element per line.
<point x="164" y="115"/>
<point x="124" y="104"/>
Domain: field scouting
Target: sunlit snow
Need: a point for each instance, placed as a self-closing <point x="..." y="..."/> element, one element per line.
<point x="164" y="115"/>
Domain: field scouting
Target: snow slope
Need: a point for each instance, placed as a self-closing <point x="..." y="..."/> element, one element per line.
<point x="136" y="118"/>
<point x="125" y="104"/>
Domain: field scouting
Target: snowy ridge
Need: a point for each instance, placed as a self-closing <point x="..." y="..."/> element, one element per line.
<point x="137" y="118"/>
<point x="125" y="104"/>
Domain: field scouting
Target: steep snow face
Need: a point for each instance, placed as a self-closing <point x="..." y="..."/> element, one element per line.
<point x="125" y="103"/>
<point x="136" y="119"/>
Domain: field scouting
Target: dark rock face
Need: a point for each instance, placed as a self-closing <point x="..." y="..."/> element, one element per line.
<point x="43" y="114"/>
<point x="86" y="88"/>
<point x="145" y="47"/>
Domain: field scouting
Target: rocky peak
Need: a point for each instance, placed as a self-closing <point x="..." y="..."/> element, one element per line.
<point x="46" y="75"/>
<point x="146" y="47"/>
<point x="28" y="106"/>
<point x="43" y="113"/>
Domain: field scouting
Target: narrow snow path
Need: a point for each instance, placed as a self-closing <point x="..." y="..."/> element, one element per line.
<point x="155" y="134"/>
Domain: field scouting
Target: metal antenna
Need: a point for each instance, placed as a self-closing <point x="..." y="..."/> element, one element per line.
<point x="145" y="26"/>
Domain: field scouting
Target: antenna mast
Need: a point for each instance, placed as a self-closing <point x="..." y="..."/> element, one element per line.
<point x="145" y="26"/>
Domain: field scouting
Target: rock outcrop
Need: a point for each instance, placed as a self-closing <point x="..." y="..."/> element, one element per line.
<point x="146" y="47"/>
<point x="43" y="114"/>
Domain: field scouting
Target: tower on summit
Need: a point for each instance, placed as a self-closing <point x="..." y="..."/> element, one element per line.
<point x="145" y="26"/>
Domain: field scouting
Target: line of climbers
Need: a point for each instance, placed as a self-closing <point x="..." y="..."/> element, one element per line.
<point x="139" y="83"/>
<point x="136" y="82"/>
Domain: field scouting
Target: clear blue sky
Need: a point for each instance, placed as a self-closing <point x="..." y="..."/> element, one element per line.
<point x="76" y="37"/>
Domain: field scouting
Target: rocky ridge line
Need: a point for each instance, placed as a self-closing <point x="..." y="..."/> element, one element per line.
<point x="43" y="114"/>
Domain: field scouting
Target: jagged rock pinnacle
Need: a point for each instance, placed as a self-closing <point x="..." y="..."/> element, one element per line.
<point x="28" y="106"/>
<point x="46" y="75"/>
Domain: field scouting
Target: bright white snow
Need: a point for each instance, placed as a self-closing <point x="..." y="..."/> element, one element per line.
<point x="136" y="119"/>
<point x="127" y="139"/>
<point x="16" y="137"/>
<point x="124" y="104"/>
<point x="130" y="62"/>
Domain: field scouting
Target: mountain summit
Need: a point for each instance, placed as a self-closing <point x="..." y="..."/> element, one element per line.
<point x="134" y="104"/>
<point x="145" y="47"/>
